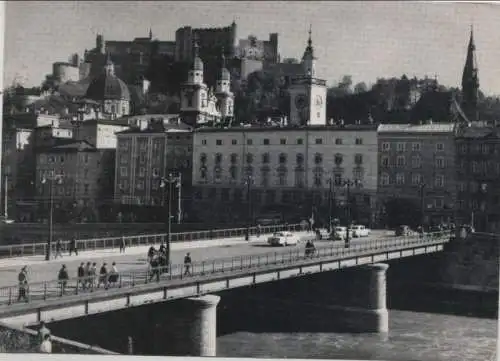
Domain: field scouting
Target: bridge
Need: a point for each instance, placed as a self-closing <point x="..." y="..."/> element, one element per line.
<point x="48" y="301"/>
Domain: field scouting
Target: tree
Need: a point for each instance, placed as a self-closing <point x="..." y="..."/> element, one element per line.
<point x="360" y="88"/>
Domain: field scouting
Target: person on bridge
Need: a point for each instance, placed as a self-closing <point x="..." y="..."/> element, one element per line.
<point x="122" y="244"/>
<point x="187" y="264"/>
<point x="113" y="275"/>
<point x="86" y="274"/>
<point x="81" y="276"/>
<point x="103" y="276"/>
<point x="63" y="278"/>
<point x="93" y="274"/>
<point x="310" y="248"/>
<point x="155" y="269"/>
<point x="23" y="284"/>
<point x="72" y="247"/>
<point x="151" y="253"/>
<point x="58" y="249"/>
<point x="46" y="345"/>
<point x="43" y="331"/>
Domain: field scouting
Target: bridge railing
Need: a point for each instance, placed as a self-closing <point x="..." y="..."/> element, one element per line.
<point x="99" y="283"/>
<point x="34" y="249"/>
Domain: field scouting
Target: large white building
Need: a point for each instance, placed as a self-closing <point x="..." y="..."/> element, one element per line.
<point x="286" y="165"/>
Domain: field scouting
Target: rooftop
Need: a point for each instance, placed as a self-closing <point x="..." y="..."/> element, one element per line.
<point x="277" y="128"/>
<point x="417" y="128"/>
<point x="475" y="132"/>
<point x="66" y="146"/>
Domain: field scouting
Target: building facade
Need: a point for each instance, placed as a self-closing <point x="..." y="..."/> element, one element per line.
<point x="288" y="166"/>
<point x="478" y="177"/>
<point x="146" y="156"/>
<point x="416" y="168"/>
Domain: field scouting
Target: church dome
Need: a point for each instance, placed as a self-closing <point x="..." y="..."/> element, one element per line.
<point x="108" y="87"/>
<point x="197" y="64"/>
<point x="225" y="75"/>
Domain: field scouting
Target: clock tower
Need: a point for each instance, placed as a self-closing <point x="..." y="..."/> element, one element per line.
<point x="308" y="93"/>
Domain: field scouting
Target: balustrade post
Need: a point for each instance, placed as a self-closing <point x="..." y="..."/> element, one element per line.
<point x="275" y="257"/>
<point x="213" y="266"/>
<point x="133" y="279"/>
<point x="241" y="262"/>
<point x="10" y="295"/>
<point x="202" y="267"/>
<point x="267" y="258"/>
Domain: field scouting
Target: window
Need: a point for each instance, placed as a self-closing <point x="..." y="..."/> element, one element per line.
<point x="438" y="203"/>
<point x="234" y="158"/>
<point x="265" y="158"/>
<point x="140" y="185"/>
<point x="265" y="141"/>
<point x="400" y="178"/>
<point x="318" y="177"/>
<point x="357" y="174"/>
<point x="43" y="159"/>
<point x="300" y="141"/>
<point x="233" y="172"/>
<point x="123" y="171"/>
<point x="249" y="158"/>
<point x="265" y="177"/>
<point x="282" y="177"/>
<point x="415" y="146"/>
<point x="401" y="147"/>
<point x="337" y="179"/>
<point x="463" y="149"/>
<point x="203" y="142"/>
<point x="384" y="179"/>
<point x="440" y="147"/>
<point x="439" y="162"/>
<point x="218" y="142"/>
<point x="415" y="179"/>
<point x="439" y="180"/>
<point x="318" y="141"/>
<point x="217" y="175"/>
<point x="203" y="158"/>
<point x="338" y="159"/>
<point x="475" y="167"/>
<point x="299" y="159"/>
<point x="234" y="142"/>
<point x="218" y="158"/>
<point x="299" y="179"/>
<point x="416" y="162"/>
<point x="359" y="141"/>
<point x="386" y="146"/>
<point x="385" y="161"/>
<point x="142" y="158"/>
<point x="282" y="158"/>
<point x="85" y="173"/>
<point x="338" y="141"/>
<point x="51" y="159"/>
<point x="61" y="158"/>
<point x="400" y="161"/>
<point x="462" y="187"/>
<point x="85" y="158"/>
<point x="249" y="141"/>
<point x="123" y="159"/>
<point x="318" y="158"/>
<point x="358" y="159"/>
<point x="142" y="172"/>
<point x="156" y="172"/>
<point x="282" y="141"/>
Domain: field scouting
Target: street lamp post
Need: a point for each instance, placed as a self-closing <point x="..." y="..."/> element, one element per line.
<point x="331" y="195"/>
<point x="169" y="182"/>
<point x="248" y="183"/>
<point x="422" y="204"/>
<point x="51" y="178"/>
<point x="348" y="184"/>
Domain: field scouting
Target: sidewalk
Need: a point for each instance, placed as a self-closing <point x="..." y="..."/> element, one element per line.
<point x="135" y="250"/>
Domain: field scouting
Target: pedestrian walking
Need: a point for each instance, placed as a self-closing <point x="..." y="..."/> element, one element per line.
<point x="259" y="230"/>
<point x="113" y="275"/>
<point x="22" y="278"/>
<point x="122" y="245"/>
<point x="81" y="276"/>
<point x="86" y="274"/>
<point x="155" y="269"/>
<point x="58" y="249"/>
<point x="151" y="253"/>
<point x="93" y="274"/>
<point x="72" y="247"/>
<point x="63" y="278"/>
<point x="46" y="345"/>
<point x="103" y="276"/>
<point x="187" y="264"/>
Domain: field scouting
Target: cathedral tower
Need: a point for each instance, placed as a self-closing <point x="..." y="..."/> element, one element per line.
<point x="223" y="91"/>
<point x="470" y="82"/>
<point x="308" y="93"/>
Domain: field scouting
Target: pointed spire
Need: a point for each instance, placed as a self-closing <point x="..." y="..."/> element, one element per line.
<point x="309" y="41"/>
<point x="470" y="81"/>
<point x="150" y="33"/>
<point x="223" y="58"/>
<point x="196" y="46"/>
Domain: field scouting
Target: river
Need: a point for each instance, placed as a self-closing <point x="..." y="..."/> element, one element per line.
<point x="413" y="336"/>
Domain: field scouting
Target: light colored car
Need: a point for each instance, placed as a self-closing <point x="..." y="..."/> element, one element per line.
<point x="340" y="233"/>
<point x="283" y="239"/>
<point x="359" y="230"/>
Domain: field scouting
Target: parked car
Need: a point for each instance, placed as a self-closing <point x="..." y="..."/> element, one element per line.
<point x="404" y="231"/>
<point x="358" y="230"/>
<point x="340" y="233"/>
<point x="283" y="239"/>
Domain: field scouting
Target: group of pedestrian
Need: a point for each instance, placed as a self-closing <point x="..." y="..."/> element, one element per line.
<point x="72" y="248"/>
<point x="158" y="261"/>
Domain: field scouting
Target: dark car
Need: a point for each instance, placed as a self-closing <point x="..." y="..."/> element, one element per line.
<point x="404" y="231"/>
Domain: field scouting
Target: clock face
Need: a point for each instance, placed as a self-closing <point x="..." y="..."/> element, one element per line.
<point x="300" y="101"/>
<point x="319" y="100"/>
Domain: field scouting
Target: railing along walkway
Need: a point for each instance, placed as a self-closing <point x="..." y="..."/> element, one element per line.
<point x="34" y="249"/>
<point x="55" y="289"/>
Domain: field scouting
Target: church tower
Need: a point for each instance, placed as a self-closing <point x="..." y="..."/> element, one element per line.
<point x="223" y="90"/>
<point x="194" y="92"/>
<point x="470" y="82"/>
<point x="308" y="93"/>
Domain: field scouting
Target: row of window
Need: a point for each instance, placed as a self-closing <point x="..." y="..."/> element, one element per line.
<point x="480" y="148"/>
<point x="416" y="162"/>
<point x="61" y="189"/>
<point x="283" y="141"/>
<point x="474" y="187"/>
<point x="415" y="146"/>
<point x="402" y="178"/>
<point x="319" y="176"/>
<point x="282" y="158"/>
<point x="60" y="159"/>
<point x="142" y="172"/>
<point x="142" y="143"/>
<point x="485" y="167"/>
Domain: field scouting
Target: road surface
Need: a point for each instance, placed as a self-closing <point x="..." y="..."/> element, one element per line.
<point x="135" y="257"/>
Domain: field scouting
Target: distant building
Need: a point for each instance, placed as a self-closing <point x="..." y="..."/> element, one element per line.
<point x="416" y="168"/>
<point x="257" y="54"/>
<point x="288" y="167"/>
<point x="145" y="155"/>
<point x="478" y="177"/>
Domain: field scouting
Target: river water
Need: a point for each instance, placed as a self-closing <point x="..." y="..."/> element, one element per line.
<point x="413" y="336"/>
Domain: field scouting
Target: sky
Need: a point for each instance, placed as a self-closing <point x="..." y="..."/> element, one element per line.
<point x="367" y="40"/>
